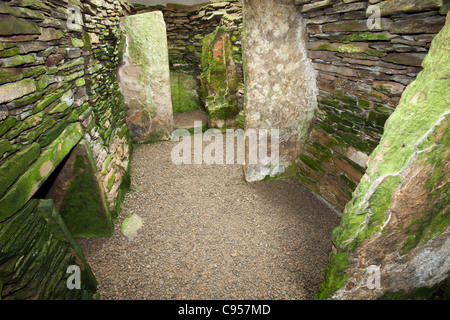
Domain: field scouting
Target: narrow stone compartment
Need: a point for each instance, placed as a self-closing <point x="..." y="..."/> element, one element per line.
<point x="78" y="195"/>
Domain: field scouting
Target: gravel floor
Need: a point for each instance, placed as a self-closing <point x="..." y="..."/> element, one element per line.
<point x="186" y="119"/>
<point x="208" y="234"/>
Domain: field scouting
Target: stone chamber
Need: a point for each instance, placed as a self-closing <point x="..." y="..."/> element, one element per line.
<point x="358" y="89"/>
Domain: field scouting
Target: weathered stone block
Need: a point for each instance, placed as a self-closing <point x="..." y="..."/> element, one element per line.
<point x="15" y="166"/>
<point x="418" y="25"/>
<point x="145" y="77"/>
<point x="354" y="25"/>
<point x="28" y="184"/>
<point x="280" y="80"/>
<point x="20" y="60"/>
<point x="14" y="90"/>
<point x="11" y="26"/>
<point x="408" y="59"/>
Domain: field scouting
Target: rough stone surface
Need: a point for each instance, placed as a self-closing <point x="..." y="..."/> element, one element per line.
<point x="398" y="220"/>
<point x="220" y="77"/>
<point x="130" y="227"/>
<point x="280" y="79"/>
<point x="145" y="77"/>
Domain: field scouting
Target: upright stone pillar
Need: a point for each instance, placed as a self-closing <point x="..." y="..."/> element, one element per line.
<point x="145" y="77"/>
<point x="280" y="84"/>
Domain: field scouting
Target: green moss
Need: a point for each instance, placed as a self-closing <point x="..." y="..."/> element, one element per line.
<point x="364" y="103"/>
<point x="77" y="43"/>
<point x="60" y="107"/>
<point x="312" y="163"/>
<point x="106" y="164"/>
<point x="290" y="171"/>
<point x="47" y="100"/>
<point x="378" y="119"/>
<point x="368" y="36"/>
<point x="350" y="48"/>
<point x="87" y="41"/>
<point x="30" y="122"/>
<point x="423" y="104"/>
<point x="15" y="166"/>
<point x="7" y="124"/>
<point x="80" y="82"/>
<point x="9" y="53"/>
<point x="371" y="52"/>
<point x="334" y="274"/>
<point x="32" y="135"/>
<point x="326" y="127"/>
<point x="42" y="83"/>
<point x="52" y="133"/>
<point x="25" y="187"/>
<point x="111" y="180"/>
<point x="436" y="216"/>
<point x="10" y="75"/>
<point x="72" y="63"/>
<point x="10" y="26"/>
<point x="82" y="208"/>
<point x="220" y="79"/>
<point x="70" y="77"/>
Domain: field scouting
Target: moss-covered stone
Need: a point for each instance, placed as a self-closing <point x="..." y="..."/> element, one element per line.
<point x="388" y="8"/>
<point x="15" y="90"/>
<point x="35" y="72"/>
<point x="80" y="82"/>
<point x="10" y="75"/>
<point x="48" y="99"/>
<point x="27" y="185"/>
<point x="77" y="43"/>
<point x="10" y="26"/>
<point x="413" y="143"/>
<point x="7" y="124"/>
<point x="30" y="122"/>
<point x="375" y="53"/>
<point x="9" y="53"/>
<point x="5" y="146"/>
<point x="42" y="83"/>
<point x="73" y="76"/>
<point x="368" y="36"/>
<point x="16" y="165"/>
<point x="20" y="60"/>
<point x="32" y="135"/>
<point x="84" y="208"/>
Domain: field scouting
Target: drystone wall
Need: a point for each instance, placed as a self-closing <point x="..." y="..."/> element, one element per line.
<point x="62" y="122"/>
<point x="363" y="62"/>
<point x="393" y="241"/>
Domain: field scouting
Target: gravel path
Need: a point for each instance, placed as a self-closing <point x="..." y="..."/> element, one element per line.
<point x="208" y="234"/>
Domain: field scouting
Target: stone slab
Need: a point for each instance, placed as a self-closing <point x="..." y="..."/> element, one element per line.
<point x="145" y="77"/>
